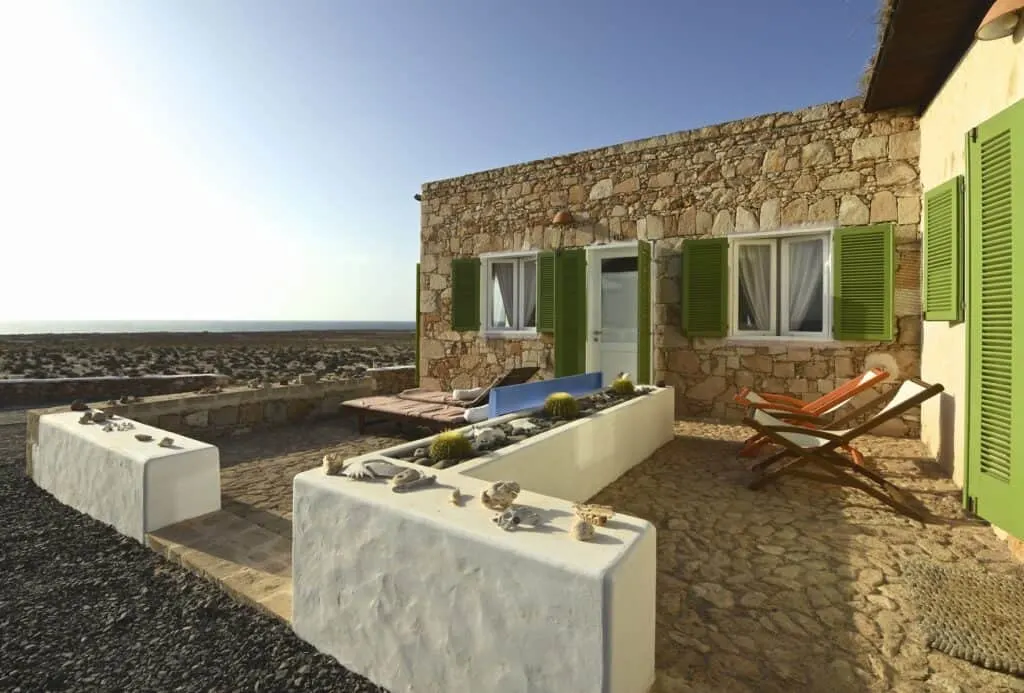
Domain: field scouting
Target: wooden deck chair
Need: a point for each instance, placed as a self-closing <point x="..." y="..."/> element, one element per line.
<point x="797" y="411"/>
<point x="816" y="454"/>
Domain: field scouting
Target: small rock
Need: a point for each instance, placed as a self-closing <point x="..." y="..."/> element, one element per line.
<point x="719" y="596"/>
<point x="143" y="437"/>
<point x="79" y="405"/>
<point x="99" y="416"/>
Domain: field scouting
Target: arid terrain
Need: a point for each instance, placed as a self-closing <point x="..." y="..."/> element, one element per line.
<point x="239" y="355"/>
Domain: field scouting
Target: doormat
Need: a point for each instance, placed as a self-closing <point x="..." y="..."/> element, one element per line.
<point x="969" y="613"/>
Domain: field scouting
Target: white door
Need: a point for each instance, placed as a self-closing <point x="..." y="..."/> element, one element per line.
<point x="612" y="298"/>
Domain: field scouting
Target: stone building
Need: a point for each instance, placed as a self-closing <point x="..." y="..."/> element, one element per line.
<point x="780" y="252"/>
<point x="970" y="97"/>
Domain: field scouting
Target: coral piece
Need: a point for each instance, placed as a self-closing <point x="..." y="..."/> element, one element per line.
<point x="561" y="405"/>
<point x="166" y="442"/>
<point x="522" y="426"/>
<point x="79" y="405"/>
<point x="107" y="428"/>
<point x="486" y="437"/>
<point x="362" y="470"/>
<point x="500" y="495"/>
<point x="456" y="498"/>
<point x="511" y="519"/>
<point x="581" y="530"/>
<point x="450" y="445"/>
<point x="99" y="416"/>
<point x="411" y="479"/>
<point x="85" y="418"/>
<point x="597" y="515"/>
<point x="143" y="437"/>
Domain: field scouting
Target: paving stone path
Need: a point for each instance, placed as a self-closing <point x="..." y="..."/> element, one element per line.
<point x="257" y="468"/>
<point x="795" y="587"/>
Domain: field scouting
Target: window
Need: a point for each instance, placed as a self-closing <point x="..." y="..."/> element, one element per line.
<point x="779" y="286"/>
<point x="510" y="293"/>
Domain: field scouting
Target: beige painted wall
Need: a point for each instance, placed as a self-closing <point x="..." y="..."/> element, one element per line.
<point x="987" y="80"/>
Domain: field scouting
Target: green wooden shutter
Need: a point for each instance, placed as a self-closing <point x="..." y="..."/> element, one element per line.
<point x="995" y="407"/>
<point x="546" y="292"/>
<point x="419" y="324"/>
<point x="643" y="313"/>
<point x="570" y="312"/>
<point x="466" y="294"/>
<point x="943" y="261"/>
<point x="705" y="287"/>
<point x="863" y="278"/>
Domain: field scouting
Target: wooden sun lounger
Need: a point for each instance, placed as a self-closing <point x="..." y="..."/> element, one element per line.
<point x="430" y="408"/>
<point x="815" y="453"/>
<point x="797" y="411"/>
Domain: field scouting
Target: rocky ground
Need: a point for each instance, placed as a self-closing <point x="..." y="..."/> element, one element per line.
<point x="241" y="356"/>
<point x="83" y="608"/>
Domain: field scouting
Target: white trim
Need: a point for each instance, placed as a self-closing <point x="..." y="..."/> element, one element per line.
<point x="777" y="240"/>
<point x="506" y="254"/>
<point x="734" y="286"/>
<point x="601" y="245"/>
<point x="826" y="289"/>
<point x="517" y="259"/>
<point x="781" y="233"/>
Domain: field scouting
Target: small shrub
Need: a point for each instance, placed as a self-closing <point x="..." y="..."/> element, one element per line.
<point x="561" y="405"/>
<point x="450" y="445"/>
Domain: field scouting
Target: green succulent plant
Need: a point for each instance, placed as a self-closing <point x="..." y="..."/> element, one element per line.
<point x="623" y="386"/>
<point x="450" y="445"/>
<point x="561" y="405"/>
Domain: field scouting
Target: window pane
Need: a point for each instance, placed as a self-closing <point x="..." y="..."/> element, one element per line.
<point x="755" y="290"/>
<point x="529" y="293"/>
<point x="502" y="294"/>
<point x="806" y="290"/>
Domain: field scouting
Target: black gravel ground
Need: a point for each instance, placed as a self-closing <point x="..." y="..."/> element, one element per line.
<point x="84" y="609"/>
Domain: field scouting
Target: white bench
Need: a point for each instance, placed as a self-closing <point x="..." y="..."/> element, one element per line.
<point x="133" y="486"/>
<point x="417" y="594"/>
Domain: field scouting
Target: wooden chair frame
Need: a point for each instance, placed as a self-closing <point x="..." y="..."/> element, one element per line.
<point x="797" y="411"/>
<point x="827" y="462"/>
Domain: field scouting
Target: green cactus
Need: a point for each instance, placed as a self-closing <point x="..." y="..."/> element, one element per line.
<point x="623" y="386"/>
<point x="561" y="405"/>
<point x="450" y="445"/>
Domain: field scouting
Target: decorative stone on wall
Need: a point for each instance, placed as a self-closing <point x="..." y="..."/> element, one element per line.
<point x="830" y="163"/>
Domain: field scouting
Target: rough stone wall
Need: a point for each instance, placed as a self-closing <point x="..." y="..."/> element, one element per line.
<point x="38" y="391"/>
<point x="828" y="163"/>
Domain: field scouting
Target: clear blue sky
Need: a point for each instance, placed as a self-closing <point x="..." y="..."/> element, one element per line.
<point x="256" y="159"/>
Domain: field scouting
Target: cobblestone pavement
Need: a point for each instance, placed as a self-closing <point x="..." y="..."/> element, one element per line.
<point x="795" y="587"/>
<point x="257" y="468"/>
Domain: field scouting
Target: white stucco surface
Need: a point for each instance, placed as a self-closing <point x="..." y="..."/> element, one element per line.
<point x="989" y="78"/>
<point x="575" y="461"/>
<point x="133" y="486"/>
<point x="419" y="595"/>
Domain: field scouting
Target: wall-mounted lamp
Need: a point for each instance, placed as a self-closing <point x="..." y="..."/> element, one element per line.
<point x="1000" y="21"/>
<point x="562" y="218"/>
<point x="418" y="197"/>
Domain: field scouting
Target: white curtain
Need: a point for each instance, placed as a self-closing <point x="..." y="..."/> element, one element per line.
<point x="529" y="294"/>
<point x="805" y="272"/>
<point x="755" y="263"/>
<point x="504" y="293"/>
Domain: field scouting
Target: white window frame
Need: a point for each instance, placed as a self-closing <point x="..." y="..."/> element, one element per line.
<point x="487" y="262"/>
<point x="780" y="241"/>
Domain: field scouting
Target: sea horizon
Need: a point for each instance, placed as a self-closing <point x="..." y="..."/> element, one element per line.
<point x="44" y="327"/>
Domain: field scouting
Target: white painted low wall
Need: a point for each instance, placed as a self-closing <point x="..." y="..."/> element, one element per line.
<point x="419" y="595"/>
<point x="133" y="486"/>
<point x="579" y="459"/>
<point x="574" y="461"/>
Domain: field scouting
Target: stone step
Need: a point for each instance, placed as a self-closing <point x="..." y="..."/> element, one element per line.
<point x="249" y="562"/>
